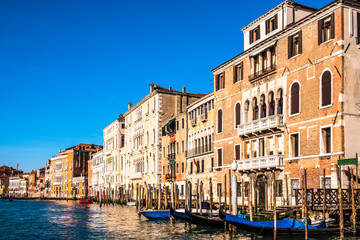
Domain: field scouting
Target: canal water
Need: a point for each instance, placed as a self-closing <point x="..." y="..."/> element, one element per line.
<point x="26" y="219"/>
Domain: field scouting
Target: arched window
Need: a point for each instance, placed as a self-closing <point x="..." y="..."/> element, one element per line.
<point x="237" y="114"/>
<point x="326" y="88"/>
<point x="271" y="103"/>
<point x="295" y="98"/>
<point x="255" y="108"/>
<point x="263" y="106"/>
<point x="219" y="121"/>
<point x="246" y="111"/>
<point x="280" y="101"/>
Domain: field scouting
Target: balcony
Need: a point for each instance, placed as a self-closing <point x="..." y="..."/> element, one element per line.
<point x="267" y="124"/>
<point x="200" y="150"/>
<point x="203" y="117"/>
<point x="262" y="72"/>
<point x="136" y="175"/>
<point x="171" y="157"/>
<point x="193" y="122"/>
<point x="108" y="152"/>
<point x="261" y="163"/>
<point x="170" y="176"/>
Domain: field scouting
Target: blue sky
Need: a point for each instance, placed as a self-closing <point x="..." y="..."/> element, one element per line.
<point x="69" y="68"/>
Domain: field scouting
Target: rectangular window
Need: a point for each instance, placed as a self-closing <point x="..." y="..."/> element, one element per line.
<point x="294" y="147"/>
<point x="177" y="148"/>
<point x="294" y="185"/>
<point x="219" y="190"/>
<point x="239" y="189"/>
<point x="182" y="168"/>
<point x="163" y="170"/>
<point x="295" y="44"/>
<point x="198" y="167"/>
<point x="177" y="125"/>
<point x="279" y="188"/>
<point x="182" y="123"/>
<point x="177" y="168"/>
<point x="182" y="146"/>
<point x="247" y="187"/>
<point x="254" y="34"/>
<point x="212" y="164"/>
<point x="202" y="166"/>
<point x="237" y="152"/>
<point x="219" y="157"/>
<point x="238" y="73"/>
<point x="271" y="24"/>
<point x="327" y="182"/>
<point x="220" y="81"/>
<point x="163" y="152"/>
<point x="326" y="29"/>
<point x="191" y="168"/>
<point x="326" y="140"/>
<point x="182" y="190"/>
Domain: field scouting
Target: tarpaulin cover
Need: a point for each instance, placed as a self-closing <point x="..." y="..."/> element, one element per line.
<point x="285" y="223"/>
<point x="156" y="214"/>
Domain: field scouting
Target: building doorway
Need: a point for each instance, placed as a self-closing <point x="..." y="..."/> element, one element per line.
<point x="261" y="189"/>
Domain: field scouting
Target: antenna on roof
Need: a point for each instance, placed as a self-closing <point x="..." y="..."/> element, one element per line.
<point x="17" y="166"/>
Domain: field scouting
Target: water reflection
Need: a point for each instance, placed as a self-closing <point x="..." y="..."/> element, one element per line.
<point x="71" y="220"/>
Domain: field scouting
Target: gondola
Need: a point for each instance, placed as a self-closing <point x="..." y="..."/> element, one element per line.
<point x="284" y="227"/>
<point x="205" y="221"/>
<point x="155" y="214"/>
<point x="181" y="215"/>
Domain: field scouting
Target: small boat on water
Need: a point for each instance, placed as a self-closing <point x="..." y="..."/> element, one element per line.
<point x="155" y="214"/>
<point x="205" y="221"/>
<point x="284" y="227"/>
<point x="86" y="201"/>
<point x="180" y="214"/>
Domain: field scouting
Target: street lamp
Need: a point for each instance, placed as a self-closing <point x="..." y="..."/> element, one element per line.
<point x="234" y="188"/>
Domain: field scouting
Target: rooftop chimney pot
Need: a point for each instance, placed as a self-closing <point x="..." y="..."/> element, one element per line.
<point x="184" y="89"/>
<point x="129" y="105"/>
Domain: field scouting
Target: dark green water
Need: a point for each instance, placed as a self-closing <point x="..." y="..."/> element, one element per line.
<point x="70" y="220"/>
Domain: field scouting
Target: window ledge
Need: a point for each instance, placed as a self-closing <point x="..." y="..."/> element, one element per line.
<point x="295" y="114"/>
<point x="295" y="56"/>
<point x="219" y="90"/>
<point x="327" y="106"/>
<point x="238" y="82"/>
<point x="323" y="43"/>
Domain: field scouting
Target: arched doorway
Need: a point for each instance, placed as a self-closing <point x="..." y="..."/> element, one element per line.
<point x="261" y="181"/>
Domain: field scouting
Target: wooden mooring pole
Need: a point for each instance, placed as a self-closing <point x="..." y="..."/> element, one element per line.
<point x="353" y="201"/>
<point x="341" y="213"/>
<point x="274" y="200"/>
<point x="305" y="205"/>
<point x="211" y="197"/>
<point x="324" y="197"/>
<point x="242" y="196"/>
<point x="250" y="199"/>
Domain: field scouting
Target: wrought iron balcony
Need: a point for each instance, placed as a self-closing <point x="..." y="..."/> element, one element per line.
<point x="171" y="157"/>
<point x="258" y="163"/>
<point x="200" y="150"/>
<point x="261" y="125"/>
<point x="262" y="72"/>
<point x="170" y="176"/>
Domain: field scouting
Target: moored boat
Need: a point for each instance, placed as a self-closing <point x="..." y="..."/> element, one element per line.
<point x="205" y="221"/>
<point x="86" y="201"/>
<point x="156" y="214"/>
<point x="284" y="227"/>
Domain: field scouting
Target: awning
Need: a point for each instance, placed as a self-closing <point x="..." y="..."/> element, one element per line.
<point x="172" y="163"/>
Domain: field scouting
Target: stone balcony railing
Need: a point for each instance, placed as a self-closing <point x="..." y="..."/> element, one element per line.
<point x="261" y="125"/>
<point x="136" y="175"/>
<point x="258" y="163"/>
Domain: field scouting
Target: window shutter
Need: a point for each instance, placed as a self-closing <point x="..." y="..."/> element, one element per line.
<point x="300" y="42"/>
<point x="290" y="47"/>
<point x="217" y="82"/>
<point x="258" y="33"/>
<point x="235" y="69"/>
<point x="237" y="152"/>
<point x="251" y="36"/>
<point x="237" y="114"/>
<point x="220" y="121"/>
<point x="223" y="79"/>
<point x="333" y="25"/>
<point x="295" y="98"/>
<point x="326" y="89"/>
<point x="358" y="29"/>
<point x="320" y="30"/>
<point x="242" y="70"/>
<point x="219" y="157"/>
<point x="275" y="21"/>
<point x="267" y="26"/>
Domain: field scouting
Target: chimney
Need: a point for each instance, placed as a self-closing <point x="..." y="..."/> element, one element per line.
<point x="170" y="88"/>
<point x="59" y="150"/>
<point x="184" y="89"/>
<point x="151" y="87"/>
<point x="129" y="105"/>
